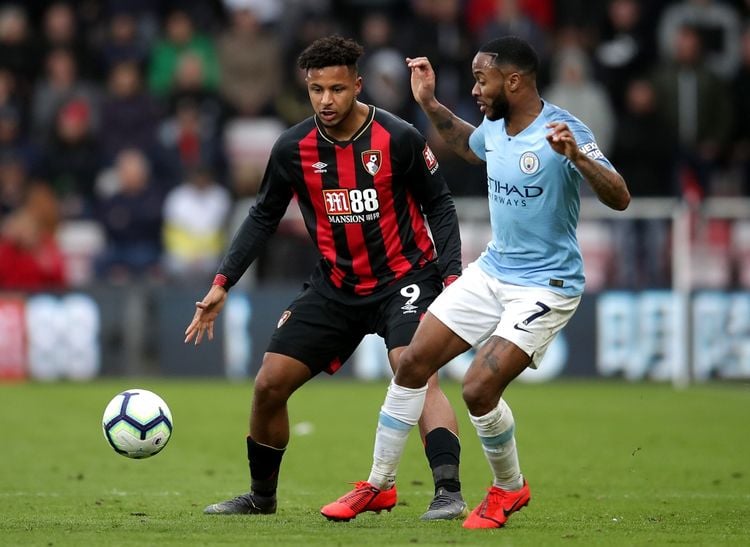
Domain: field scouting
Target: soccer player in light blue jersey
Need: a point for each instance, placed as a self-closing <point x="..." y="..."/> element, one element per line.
<point x="521" y="291"/>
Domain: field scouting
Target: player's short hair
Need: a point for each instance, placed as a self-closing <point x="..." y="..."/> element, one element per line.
<point x="330" y="51"/>
<point x="514" y="51"/>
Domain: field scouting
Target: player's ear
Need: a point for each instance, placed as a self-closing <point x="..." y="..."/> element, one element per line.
<point x="514" y="81"/>
<point x="357" y="86"/>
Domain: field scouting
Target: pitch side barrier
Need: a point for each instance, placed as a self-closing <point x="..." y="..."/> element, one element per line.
<point x="691" y="326"/>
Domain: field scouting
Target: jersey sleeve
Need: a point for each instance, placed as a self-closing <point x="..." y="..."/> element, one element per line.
<point x="476" y="142"/>
<point x="432" y="192"/>
<point x="263" y="219"/>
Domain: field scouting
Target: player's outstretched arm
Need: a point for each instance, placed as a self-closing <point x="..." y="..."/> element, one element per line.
<point x="608" y="185"/>
<point x="206" y="312"/>
<point x="454" y="130"/>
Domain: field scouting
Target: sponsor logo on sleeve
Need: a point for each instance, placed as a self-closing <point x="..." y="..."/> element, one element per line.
<point x="591" y="149"/>
<point x="284" y="316"/>
<point x="429" y="159"/>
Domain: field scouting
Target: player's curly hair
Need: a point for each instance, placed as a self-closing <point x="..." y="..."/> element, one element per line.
<point x="513" y="51"/>
<point x="330" y="51"/>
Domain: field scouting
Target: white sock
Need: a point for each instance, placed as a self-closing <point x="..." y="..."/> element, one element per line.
<point x="398" y="415"/>
<point x="495" y="430"/>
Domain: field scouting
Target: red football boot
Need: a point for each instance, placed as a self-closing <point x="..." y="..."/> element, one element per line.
<point x="364" y="497"/>
<point x="497" y="506"/>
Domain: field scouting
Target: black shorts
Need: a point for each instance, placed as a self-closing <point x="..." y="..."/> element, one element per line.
<point x="323" y="333"/>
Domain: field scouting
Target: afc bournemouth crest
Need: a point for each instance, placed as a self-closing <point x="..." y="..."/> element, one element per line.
<point x="372" y="160"/>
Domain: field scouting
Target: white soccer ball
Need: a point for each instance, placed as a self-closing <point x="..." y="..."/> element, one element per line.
<point x="137" y="423"/>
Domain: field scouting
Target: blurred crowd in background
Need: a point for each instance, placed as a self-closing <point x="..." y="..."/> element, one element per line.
<point x="133" y="133"/>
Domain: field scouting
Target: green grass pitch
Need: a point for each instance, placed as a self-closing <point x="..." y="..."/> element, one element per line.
<point x="608" y="463"/>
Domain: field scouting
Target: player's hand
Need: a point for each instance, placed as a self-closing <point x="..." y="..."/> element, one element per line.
<point x="562" y="141"/>
<point x="422" y="80"/>
<point x="206" y="312"/>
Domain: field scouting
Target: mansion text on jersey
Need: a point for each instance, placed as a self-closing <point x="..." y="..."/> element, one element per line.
<point x="347" y="219"/>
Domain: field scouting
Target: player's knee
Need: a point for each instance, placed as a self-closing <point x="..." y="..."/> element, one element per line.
<point x="479" y="397"/>
<point x="271" y="389"/>
<point x="412" y="370"/>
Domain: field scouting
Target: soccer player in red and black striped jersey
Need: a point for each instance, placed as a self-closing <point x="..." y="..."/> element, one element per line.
<point x="367" y="185"/>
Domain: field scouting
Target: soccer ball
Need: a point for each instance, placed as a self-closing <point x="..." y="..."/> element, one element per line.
<point x="137" y="423"/>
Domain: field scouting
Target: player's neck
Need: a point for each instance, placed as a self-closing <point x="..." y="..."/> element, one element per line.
<point x="351" y="125"/>
<point x="523" y="114"/>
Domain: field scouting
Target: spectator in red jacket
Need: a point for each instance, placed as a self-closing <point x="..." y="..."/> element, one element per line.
<point x="30" y="259"/>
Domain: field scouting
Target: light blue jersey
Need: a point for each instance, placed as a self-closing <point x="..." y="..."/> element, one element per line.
<point x="534" y="197"/>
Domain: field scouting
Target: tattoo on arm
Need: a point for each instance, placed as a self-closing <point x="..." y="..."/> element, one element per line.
<point x="608" y="185"/>
<point x="454" y="131"/>
<point x="598" y="180"/>
<point x="444" y="125"/>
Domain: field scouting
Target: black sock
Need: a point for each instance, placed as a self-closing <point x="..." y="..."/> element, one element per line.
<point x="265" y="462"/>
<point x="443" y="451"/>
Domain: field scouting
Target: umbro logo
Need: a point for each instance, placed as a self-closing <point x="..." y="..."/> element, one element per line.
<point x="320" y="167"/>
<point x="409" y="308"/>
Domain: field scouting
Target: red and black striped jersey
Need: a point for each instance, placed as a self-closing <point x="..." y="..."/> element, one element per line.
<point x="363" y="201"/>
